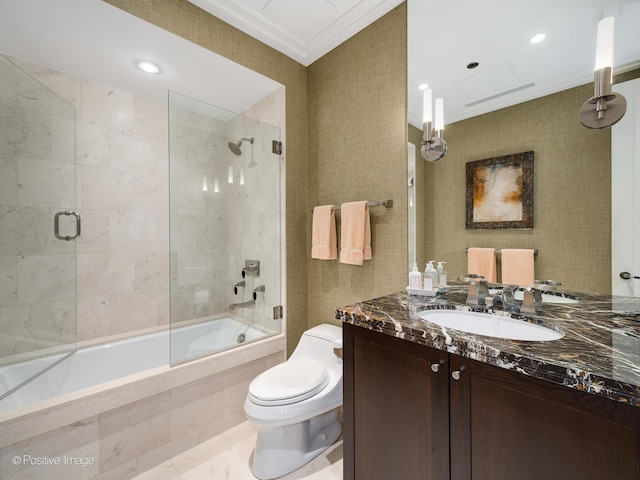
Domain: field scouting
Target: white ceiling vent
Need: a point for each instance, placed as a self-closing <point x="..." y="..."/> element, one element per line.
<point x="493" y="83"/>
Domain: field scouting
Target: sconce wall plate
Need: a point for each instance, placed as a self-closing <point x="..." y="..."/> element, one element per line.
<point x="616" y="106"/>
<point x="433" y="151"/>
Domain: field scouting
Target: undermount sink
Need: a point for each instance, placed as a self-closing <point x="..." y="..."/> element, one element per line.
<point x="490" y="325"/>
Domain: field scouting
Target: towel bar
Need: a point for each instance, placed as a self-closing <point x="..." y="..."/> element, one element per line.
<point x="499" y="251"/>
<point x="375" y="203"/>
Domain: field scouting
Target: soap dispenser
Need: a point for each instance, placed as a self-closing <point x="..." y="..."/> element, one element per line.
<point x="442" y="275"/>
<point x="415" y="277"/>
<point x="429" y="276"/>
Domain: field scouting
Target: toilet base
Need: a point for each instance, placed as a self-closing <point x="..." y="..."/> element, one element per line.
<point x="281" y="450"/>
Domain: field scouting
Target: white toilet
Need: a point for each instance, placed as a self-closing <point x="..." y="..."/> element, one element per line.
<point x="295" y="404"/>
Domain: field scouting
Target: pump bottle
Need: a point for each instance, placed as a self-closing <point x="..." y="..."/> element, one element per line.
<point x="442" y="275"/>
<point x="415" y="277"/>
<point x="430" y="276"/>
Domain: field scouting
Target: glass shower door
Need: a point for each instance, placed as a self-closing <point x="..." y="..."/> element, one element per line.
<point x="225" y="234"/>
<point x="37" y="227"/>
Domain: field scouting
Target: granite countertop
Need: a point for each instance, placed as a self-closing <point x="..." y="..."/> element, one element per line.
<point x="599" y="353"/>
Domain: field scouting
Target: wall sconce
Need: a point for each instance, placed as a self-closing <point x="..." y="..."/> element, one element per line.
<point x="433" y="145"/>
<point x="605" y="108"/>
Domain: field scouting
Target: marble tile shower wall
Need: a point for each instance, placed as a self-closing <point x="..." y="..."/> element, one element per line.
<point x="214" y="232"/>
<point x="122" y="194"/>
<point x="198" y="258"/>
<point x="37" y="289"/>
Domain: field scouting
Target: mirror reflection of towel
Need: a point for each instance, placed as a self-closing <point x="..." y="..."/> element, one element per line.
<point x="323" y="234"/>
<point x="355" y="235"/>
<point x="517" y="266"/>
<point x="482" y="261"/>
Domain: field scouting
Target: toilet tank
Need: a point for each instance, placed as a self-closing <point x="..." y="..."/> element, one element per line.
<point x="318" y="343"/>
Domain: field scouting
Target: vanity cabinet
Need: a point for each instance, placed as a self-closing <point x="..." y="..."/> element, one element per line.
<point x="413" y="412"/>
<point x="396" y="408"/>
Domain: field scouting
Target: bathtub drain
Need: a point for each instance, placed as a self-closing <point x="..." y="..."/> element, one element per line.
<point x="241" y="338"/>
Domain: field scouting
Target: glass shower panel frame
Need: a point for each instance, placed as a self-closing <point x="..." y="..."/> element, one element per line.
<point x="37" y="180"/>
<point x="224" y="203"/>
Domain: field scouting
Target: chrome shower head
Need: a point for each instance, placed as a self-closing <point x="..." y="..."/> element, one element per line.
<point x="235" y="147"/>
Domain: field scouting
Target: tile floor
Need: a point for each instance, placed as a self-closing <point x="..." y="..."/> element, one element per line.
<point x="227" y="456"/>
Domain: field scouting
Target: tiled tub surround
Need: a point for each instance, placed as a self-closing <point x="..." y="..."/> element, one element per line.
<point x="599" y="353"/>
<point x="122" y="428"/>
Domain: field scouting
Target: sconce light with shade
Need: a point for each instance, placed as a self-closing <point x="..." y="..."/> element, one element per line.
<point x="433" y="145"/>
<point x="605" y="108"/>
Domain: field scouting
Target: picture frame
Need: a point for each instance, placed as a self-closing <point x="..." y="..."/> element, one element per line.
<point x="500" y="192"/>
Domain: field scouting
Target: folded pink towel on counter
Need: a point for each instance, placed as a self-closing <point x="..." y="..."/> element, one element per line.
<point x="517" y="266"/>
<point x="482" y="261"/>
<point x="324" y="245"/>
<point x="355" y="235"/>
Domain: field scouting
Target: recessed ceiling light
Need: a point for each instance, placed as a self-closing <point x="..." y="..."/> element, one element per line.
<point x="423" y="86"/>
<point x="472" y="65"/>
<point x="537" y="38"/>
<point x="148" y="67"/>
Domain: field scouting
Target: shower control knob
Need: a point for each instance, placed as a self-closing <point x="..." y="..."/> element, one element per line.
<point x="241" y="283"/>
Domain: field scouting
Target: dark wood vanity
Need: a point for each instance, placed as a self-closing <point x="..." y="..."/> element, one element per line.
<point x="417" y="406"/>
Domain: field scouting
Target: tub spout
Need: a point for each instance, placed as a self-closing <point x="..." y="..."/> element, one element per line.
<point x="248" y="303"/>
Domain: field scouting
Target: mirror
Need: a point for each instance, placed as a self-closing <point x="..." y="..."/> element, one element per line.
<point x="521" y="97"/>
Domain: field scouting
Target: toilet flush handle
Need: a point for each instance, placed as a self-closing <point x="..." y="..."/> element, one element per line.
<point x="337" y="349"/>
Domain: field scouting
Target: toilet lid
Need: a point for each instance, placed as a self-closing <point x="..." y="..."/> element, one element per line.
<point x="289" y="382"/>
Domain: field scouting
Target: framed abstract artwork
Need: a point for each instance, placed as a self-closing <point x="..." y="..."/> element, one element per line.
<point x="500" y="192"/>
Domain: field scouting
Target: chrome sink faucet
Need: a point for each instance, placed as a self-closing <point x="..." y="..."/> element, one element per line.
<point x="506" y="299"/>
<point x="478" y="291"/>
<point x="532" y="300"/>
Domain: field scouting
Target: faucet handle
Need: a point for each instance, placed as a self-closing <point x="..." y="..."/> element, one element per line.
<point x="508" y="293"/>
<point x="532" y="300"/>
<point x="256" y="290"/>
<point x="241" y="283"/>
<point x="478" y="291"/>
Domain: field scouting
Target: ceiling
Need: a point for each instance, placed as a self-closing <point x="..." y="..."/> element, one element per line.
<point x="304" y="30"/>
<point x="94" y="40"/>
<point x="444" y="36"/>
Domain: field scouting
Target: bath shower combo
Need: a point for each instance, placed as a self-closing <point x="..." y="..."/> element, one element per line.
<point x="175" y="346"/>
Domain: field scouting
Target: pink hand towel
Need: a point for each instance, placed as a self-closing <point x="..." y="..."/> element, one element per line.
<point x="482" y="261"/>
<point x="355" y="241"/>
<point x="517" y="266"/>
<point x="323" y="234"/>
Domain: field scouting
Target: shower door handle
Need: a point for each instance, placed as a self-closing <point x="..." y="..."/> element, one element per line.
<point x="56" y="225"/>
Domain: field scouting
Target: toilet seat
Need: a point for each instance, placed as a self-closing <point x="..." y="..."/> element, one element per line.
<point x="289" y="382"/>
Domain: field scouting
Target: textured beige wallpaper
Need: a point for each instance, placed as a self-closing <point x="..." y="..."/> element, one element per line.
<point x="358" y="151"/>
<point x="572" y="191"/>
<point x="190" y="22"/>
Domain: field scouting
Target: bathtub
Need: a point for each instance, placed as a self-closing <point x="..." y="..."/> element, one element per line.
<point x="121" y="408"/>
<point x="109" y="361"/>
